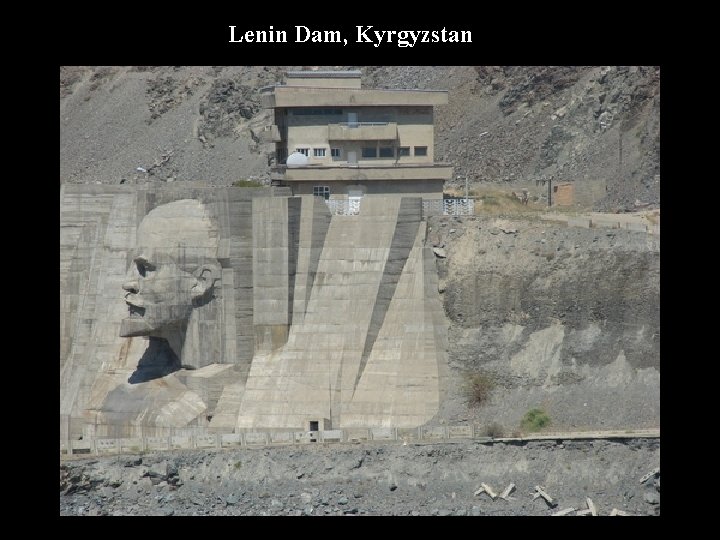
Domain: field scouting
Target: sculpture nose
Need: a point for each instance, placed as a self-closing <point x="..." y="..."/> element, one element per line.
<point x="131" y="286"/>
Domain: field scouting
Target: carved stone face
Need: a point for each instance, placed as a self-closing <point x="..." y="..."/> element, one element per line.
<point x="174" y="269"/>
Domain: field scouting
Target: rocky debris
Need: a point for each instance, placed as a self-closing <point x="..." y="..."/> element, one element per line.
<point x="535" y="85"/>
<point x="489" y="490"/>
<point x="136" y="486"/>
<point x="540" y="492"/>
<point x="162" y="160"/>
<point x="70" y="76"/>
<point x="100" y="76"/>
<point x="507" y="491"/>
<point x="616" y="512"/>
<point x="229" y="103"/>
<point x="591" y="506"/>
<point x="165" y="93"/>
<point x="655" y="472"/>
<point x="439" y="252"/>
<point x="564" y="512"/>
<point x="163" y="471"/>
<point x="134" y="462"/>
<point x="651" y="497"/>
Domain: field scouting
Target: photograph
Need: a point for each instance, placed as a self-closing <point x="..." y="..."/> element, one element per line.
<point x="396" y="290"/>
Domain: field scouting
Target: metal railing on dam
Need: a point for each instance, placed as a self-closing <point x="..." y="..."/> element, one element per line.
<point x="448" y="207"/>
<point x="254" y="439"/>
<point x="436" y="207"/>
<point x="343" y="207"/>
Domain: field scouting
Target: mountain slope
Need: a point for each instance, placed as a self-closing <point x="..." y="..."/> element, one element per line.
<point x="512" y="125"/>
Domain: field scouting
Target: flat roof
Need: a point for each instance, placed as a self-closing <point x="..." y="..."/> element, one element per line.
<point x="306" y="96"/>
<point x="354" y="74"/>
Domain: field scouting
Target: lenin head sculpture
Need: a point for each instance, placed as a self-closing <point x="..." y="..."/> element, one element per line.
<point x="174" y="270"/>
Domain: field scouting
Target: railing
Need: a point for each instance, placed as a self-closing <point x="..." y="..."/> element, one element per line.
<point x="449" y="207"/>
<point x="220" y="441"/>
<point x="360" y="124"/>
<point x="343" y="207"/>
<point x="359" y="131"/>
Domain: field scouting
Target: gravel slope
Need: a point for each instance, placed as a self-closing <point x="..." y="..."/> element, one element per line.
<point x="389" y="479"/>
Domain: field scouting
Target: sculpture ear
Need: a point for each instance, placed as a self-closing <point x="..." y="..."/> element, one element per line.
<point x="205" y="278"/>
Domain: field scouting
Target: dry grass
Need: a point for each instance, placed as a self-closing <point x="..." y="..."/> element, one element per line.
<point x="495" y="201"/>
<point x="479" y="388"/>
<point x="494" y="430"/>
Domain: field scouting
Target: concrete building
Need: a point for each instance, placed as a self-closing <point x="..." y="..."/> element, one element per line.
<point x="337" y="140"/>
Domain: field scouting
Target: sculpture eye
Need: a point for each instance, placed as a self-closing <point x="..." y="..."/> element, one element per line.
<point x="144" y="266"/>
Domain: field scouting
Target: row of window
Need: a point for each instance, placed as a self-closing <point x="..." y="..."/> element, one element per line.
<point x="368" y="152"/>
<point x="319" y="152"/>
<point x="316" y="111"/>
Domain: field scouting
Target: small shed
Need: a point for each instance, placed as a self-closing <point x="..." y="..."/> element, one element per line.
<point x="564" y="194"/>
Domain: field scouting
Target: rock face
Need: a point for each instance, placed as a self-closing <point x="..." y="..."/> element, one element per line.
<point x="598" y="127"/>
<point x="429" y="479"/>
<point x="564" y="316"/>
<point x="177" y="123"/>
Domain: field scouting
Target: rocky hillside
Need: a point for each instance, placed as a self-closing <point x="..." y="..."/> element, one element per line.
<point x="511" y="125"/>
<point x="562" y="318"/>
<point x="389" y="480"/>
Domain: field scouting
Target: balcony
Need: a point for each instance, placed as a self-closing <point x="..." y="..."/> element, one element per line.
<point x="362" y="131"/>
<point x="355" y="173"/>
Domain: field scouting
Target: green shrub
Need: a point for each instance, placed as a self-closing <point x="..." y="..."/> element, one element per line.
<point x="247" y="183"/>
<point x="535" y="420"/>
<point x="480" y="387"/>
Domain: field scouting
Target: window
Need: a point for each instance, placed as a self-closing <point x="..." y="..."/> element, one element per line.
<point x="319" y="152"/>
<point x="369" y="152"/>
<point x="403" y="151"/>
<point x="322" y="191"/>
<point x="312" y="111"/>
<point x="335" y="152"/>
<point x="386" y="151"/>
<point x="303" y="151"/>
<point x="421" y="150"/>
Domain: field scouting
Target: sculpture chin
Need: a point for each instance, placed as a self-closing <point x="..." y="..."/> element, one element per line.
<point x="133" y="326"/>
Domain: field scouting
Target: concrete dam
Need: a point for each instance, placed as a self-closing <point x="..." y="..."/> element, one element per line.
<point x="231" y="309"/>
